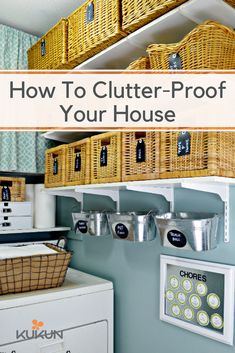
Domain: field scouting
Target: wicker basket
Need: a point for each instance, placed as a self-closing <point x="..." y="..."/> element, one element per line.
<point x="23" y="274"/>
<point x="137" y="13"/>
<point x="16" y="186"/>
<point x="55" y="164"/>
<point x="231" y="2"/>
<point x="209" y="46"/>
<point x="106" y="168"/>
<point x="51" y="51"/>
<point x="140" y="64"/>
<point x="93" y="27"/>
<point x="78" y="163"/>
<point x="138" y="162"/>
<point x="197" y="154"/>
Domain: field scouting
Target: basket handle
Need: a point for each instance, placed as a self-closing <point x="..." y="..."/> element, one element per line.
<point x="65" y="241"/>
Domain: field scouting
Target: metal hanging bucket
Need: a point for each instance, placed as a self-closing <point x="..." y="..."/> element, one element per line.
<point x="188" y="231"/>
<point x="98" y="224"/>
<point x="132" y="226"/>
<point x="80" y="222"/>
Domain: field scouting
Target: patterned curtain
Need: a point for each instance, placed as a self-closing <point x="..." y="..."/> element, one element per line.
<point x="13" y="48"/>
<point x="22" y="151"/>
<point x="19" y="151"/>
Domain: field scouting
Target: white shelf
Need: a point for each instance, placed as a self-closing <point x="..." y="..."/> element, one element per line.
<point x="212" y="180"/>
<point x="35" y="230"/>
<point x="169" y="28"/>
<point x="68" y="136"/>
<point x="165" y="187"/>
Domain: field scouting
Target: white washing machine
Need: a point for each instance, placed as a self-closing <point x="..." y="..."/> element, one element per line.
<point x="75" y="318"/>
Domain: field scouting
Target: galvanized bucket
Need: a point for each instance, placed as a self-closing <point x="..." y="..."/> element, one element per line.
<point x="98" y="224"/>
<point x="188" y="231"/>
<point x="80" y="222"/>
<point x="132" y="226"/>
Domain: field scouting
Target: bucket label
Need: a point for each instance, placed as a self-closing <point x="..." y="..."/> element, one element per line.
<point x="121" y="231"/>
<point x="82" y="226"/>
<point x="90" y="12"/>
<point x="176" y="238"/>
<point x="43" y="47"/>
<point x="104" y="156"/>
<point x="140" y="151"/>
<point x="175" y="62"/>
<point x="77" y="163"/>
<point x="183" y="143"/>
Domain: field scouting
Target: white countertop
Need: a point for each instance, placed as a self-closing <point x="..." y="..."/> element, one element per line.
<point x="76" y="283"/>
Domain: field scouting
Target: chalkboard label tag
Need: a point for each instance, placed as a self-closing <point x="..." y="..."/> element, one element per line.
<point x="184" y="143"/>
<point x="176" y="238"/>
<point x="104" y="156"/>
<point x="55" y="166"/>
<point x="77" y="164"/>
<point x="121" y="231"/>
<point x="6" y="193"/>
<point x="90" y="12"/>
<point x="82" y="226"/>
<point x="175" y="62"/>
<point x="43" y="47"/>
<point x="140" y="151"/>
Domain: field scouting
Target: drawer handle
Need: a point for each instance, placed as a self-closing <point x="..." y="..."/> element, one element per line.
<point x="6" y="210"/>
<point x="6" y="224"/>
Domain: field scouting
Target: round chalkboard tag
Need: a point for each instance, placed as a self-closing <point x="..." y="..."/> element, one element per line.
<point x="121" y="231"/>
<point x="176" y="238"/>
<point x="82" y="226"/>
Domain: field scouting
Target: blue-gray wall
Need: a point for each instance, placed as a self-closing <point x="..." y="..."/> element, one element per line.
<point x="134" y="270"/>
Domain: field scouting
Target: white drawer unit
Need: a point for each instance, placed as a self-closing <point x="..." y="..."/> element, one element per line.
<point x="8" y="223"/>
<point x="16" y="208"/>
<point x="75" y="318"/>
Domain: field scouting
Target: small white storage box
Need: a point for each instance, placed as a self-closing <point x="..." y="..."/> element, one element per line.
<point x="16" y="223"/>
<point x="16" y="208"/>
<point x="15" y="216"/>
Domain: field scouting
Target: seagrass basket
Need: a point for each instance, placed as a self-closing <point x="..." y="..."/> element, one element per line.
<point x="51" y="51"/>
<point x="141" y="63"/>
<point x="55" y="165"/>
<point x="192" y="154"/>
<point x="16" y="187"/>
<point x="140" y="155"/>
<point x="106" y="158"/>
<point x="78" y="163"/>
<point x="28" y="273"/>
<point x="209" y="46"/>
<point x="94" y="26"/>
<point x="137" y="13"/>
<point x="231" y="2"/>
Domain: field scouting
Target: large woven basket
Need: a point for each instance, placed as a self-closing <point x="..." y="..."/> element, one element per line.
<point x="55" y="176"/>
<point x="91" y="31"/>
<point x="111" y="172"/>
<point x="137" y="13"/>
<point x="134" y="167"/>
<point x="51" y="51"/>
<point x="78" y="163"/>
<point x="16" y="186"/>
<point x="231" y="2"/>
<point x="208" y="153"/>
<point x="23" y="274"/>
<point x="209" y="46"/>
<point x="141" y="63"/>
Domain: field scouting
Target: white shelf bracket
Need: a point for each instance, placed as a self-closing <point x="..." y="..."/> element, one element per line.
<point x="167" y="193"/>
<point x="223" y="192"/>
<point x="68" y="193"/>
<point x="112" y="194"/>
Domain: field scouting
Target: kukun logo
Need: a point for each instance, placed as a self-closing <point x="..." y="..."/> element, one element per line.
<point x="38" y="332"/>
